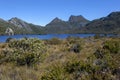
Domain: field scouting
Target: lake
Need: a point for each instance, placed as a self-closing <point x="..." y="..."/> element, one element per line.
<point x="47" y="36"/>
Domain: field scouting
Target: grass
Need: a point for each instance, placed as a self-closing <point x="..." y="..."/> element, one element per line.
<point x="60" y="62"/>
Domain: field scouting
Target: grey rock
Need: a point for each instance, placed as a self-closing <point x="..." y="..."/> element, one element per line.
<point x="9" y="31"/>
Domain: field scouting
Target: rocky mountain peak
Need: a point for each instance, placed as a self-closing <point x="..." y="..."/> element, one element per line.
<point x="79" y="18"/>
<point x="20" y="23"/>
<point x="14" y="19"/>
<point x="17" y="22"/>
<point x="56" y="20"/>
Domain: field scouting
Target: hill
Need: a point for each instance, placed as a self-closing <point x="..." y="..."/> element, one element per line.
<point x="27" y="28"/>
<point x="4" y="25"/>
<point x="108" y="24"/>
<point x="19" y="27"/>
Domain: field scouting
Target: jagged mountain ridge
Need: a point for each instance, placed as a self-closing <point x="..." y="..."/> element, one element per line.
<point x="60" y="26"/>
<point x="20" y="23"/>
<point x="78" y="21"/>
<point x="57" y="26"/>
<point x="19" y="26"/>
<point x="56" y="20"/>
<point x="75" y="24"/>
<point x="108" y="24"/>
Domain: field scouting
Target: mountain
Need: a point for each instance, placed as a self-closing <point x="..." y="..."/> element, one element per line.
<point x="20" y="23"/>
<point x="78" y="21"/>
<point x="75" y="24"/>
<point x="57" y="26"/>
<point x="108" y="24"/>
<point x="4" y="25"/>
<point x="56" y="20"/>
<point x="19" y="27"/>
<point x="27" y="28"/>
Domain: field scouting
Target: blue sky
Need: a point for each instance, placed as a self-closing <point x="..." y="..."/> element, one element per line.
<point x="42" y="12"/>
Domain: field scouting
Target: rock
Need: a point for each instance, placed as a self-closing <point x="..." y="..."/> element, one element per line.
<point x="9" y="31"/>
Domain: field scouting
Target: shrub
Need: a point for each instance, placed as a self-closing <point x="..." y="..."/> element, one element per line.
<point x="78" y="70"/>
<point x="54" y="72"/>
<point x="112" y="45"/>
<point x="72" y="66"/>
<point x="99" y="54"/>
<point x="25" y="51"/>
<point x="53" y="41"/>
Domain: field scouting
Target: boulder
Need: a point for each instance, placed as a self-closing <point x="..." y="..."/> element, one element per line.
<point x="9" y="31"/>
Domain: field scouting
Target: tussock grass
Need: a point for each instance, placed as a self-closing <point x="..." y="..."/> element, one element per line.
<point x="97" y="59"/>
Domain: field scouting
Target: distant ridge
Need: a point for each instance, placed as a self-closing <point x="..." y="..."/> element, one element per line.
<point x="59" y="26"/>
<point x="75" y="24"/>
<point x="108" y="24"/>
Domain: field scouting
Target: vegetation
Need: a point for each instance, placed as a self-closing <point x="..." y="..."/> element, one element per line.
<point x="23" y="52"/>
<point x="55" y="59"/>
<point x="53" y="41"/>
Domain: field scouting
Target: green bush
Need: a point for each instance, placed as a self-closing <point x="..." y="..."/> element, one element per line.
<point x="112" y="45"/>
<point x="53" y="41"/>
<point x="99" y="54"/>
<point x="78" y="70"/>
<point x="55" y="72"/>
<point x="24" y="51"/>
<point x="72" y="66"/>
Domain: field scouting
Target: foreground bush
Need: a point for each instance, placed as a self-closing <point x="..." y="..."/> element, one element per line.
<point x="54" y="72"/>
<point x="24" y="52"/>
<point x="113" y="46"/>
<point x="106" y="61"/>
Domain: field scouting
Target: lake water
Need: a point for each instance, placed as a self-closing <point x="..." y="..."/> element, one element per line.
<point x="47" y="36"/>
